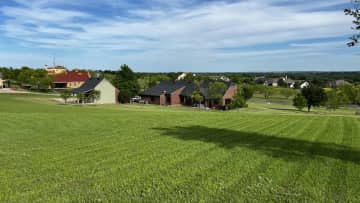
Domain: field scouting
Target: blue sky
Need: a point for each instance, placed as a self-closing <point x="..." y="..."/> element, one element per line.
<point x="178" y="35"/>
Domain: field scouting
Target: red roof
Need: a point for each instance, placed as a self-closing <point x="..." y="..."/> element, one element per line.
<point x="72" y="76"/>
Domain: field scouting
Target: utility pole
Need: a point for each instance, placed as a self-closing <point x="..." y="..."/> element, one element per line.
<point x="54" y="60"/>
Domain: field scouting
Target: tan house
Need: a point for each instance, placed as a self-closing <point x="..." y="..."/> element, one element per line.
<point x="108" y="93"/>
<point x="55" y="70"/>
<point x="70" y="79"/>
<point x="1" y="81"/>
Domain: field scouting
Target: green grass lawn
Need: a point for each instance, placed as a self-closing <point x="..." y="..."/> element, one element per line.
<point x="123" y="153"/>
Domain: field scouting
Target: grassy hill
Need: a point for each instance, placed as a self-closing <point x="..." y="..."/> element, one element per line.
<point x="268" y="152"/>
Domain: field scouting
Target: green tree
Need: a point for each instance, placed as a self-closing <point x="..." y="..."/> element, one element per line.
<point x="238" y="102"/>
<point x="247" y="92"/>
<point x="94" y="95"/>
<point x="286" y="92"/>
<point x="335" y="99"/>
<point x="281" y="83"/>
<point x="216" y="92"/>
<point x="299" y="102"/>
<point x="357" y="98"/>
<point x="126" y="82"/>
<point x="81" y="98"/>
<point x="65" y="95"/>
<point x="197" y="97"/>
<point x="355" y="13"/>
<point x="267" y="91"/>
<point x="314" y="95"/>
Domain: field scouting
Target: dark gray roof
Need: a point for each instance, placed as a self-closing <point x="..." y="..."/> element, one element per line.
<point x="168" y="87"/>
<point x="165" y="87"/>
<point x="88" y="85"/>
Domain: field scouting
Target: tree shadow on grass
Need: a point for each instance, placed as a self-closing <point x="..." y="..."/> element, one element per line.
<point x="285" y="148"/>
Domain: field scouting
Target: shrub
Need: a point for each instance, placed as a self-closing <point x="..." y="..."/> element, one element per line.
<point x="299" y="102"/>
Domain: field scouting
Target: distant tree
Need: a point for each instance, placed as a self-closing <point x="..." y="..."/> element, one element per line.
<point x="197" y="97"/>
<point x="81" y="98"/>
<point x="286" y="92"/>
<point x="216" y="91"/>
<point x="94" y="95"/>
<point x="173" y="76"/>
<point x="332" y="102"/>
<point x="267" y="92"/>
<point x="190" y="77"/>
<point x="315" y="96"/>
<point x="65" y="95"/>
<point x="351" y="92"/>
<point x="355" y="13"/>
<point x="299" y="102"/>
<point x="238" y="102"/>
<point x="126" y="81"/>
<point x="281" y="83"/>
<point x="297" y="85"/>
<point x="357" y="98"/>
<point x="247" y="92"/>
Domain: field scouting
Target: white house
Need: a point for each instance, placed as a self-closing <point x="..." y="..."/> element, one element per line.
<point x="108" y="93"/>
<point x="304" y="85"/>
<point x="182" y="76"/>
<point x="1" y="81"/>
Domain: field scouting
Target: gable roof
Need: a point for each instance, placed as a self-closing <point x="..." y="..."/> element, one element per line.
<point x="165" y="87"/>
<point x="72" y="76"/>
<point x="168" y="87"/>
<point x="88" y="85"/>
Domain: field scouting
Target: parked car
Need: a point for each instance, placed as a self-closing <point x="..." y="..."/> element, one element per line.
<point x="136" y="99"/>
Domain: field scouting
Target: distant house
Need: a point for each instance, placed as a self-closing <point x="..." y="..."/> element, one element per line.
<point x="55" y="70"/>
<point x="180" y="92"/>
<point x="304" y="85"/>
<point x="70" y="79"/>
<point x="274" y="82"/>
<point x="108" y="93"/>
<point x="1" y="81"/>
<point x="260" y="80"/>
<point x="337" y="83"/>
<point x="4" y="83"/>
<point x="224" y="78"/>
<point x="182" y="76"/>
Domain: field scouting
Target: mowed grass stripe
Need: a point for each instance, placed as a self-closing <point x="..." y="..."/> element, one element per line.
<point x="224" y="172"/>
<point x="257" y="179"/>
<point x="235" y="182"/>
<point x="315" y="177"/>
<point x="280" y="179"/>
<point x="353" y="168"/>
<point x="340" y="182"/>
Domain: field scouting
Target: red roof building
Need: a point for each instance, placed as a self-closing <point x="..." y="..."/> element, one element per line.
<point x="71" y="79"/>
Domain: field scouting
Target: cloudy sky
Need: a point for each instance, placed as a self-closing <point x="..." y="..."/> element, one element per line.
<point x="178" y="35"/>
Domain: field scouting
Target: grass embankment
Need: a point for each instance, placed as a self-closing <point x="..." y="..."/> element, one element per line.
<point x="61" y="153"/>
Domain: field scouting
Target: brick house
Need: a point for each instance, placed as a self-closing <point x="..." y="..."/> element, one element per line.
<point x="70" y="79"/>
<point x="180" y="92"/>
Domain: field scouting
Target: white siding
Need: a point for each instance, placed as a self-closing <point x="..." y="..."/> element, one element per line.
<point x="107" y="92"/>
